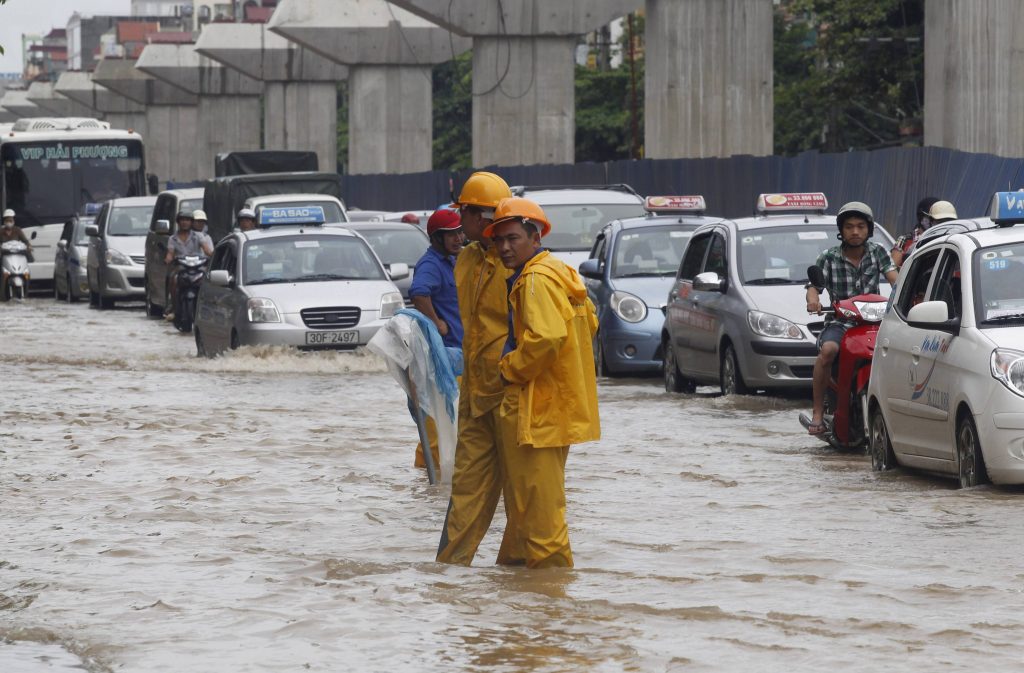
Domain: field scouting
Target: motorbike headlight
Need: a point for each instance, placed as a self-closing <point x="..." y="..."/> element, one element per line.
<point x="628" y="307"/>
<point x="117" y="258"/>
<point x="872" y="311"/>
<point x="1008" y="367"/>
<point x="768" y="325"/>
<point x="263" y="310"/>
<point x="390" y="302"/>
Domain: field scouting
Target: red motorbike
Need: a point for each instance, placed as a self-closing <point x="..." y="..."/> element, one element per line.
<point x="846" y="397"/>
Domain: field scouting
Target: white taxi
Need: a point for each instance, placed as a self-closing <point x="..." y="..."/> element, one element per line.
<point x="947" y="382"/>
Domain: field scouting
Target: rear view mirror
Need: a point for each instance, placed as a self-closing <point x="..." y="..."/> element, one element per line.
<point x="708" y="282"/>
<point x="398" y="270"/>
<point x="933" y="315"/>
<point x="220" y="278"/>
<point x="92" y="230"/>
<point x="162" y="227"/>
<point x="62" y="244"/>
<point x="590" y="268"/>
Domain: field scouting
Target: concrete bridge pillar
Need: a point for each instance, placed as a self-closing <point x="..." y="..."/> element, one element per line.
<point x="389" y="53"/>
<point x="300" y="87"/>
<point x="16" y="102"/>
<point x="973" y="54"/>
<point x="708" y="78"/>
<point x="103" y="103"/>
<point x="43" y="95"/>
<point x="228" y="103"/>
<point x="524" y="104"/>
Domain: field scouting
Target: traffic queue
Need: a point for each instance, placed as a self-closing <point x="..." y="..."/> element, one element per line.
<point x="699" y="299"/>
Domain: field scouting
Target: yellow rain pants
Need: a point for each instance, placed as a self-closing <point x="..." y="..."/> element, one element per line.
<point x="432" y="438"/>
<point x="479" y="475"/>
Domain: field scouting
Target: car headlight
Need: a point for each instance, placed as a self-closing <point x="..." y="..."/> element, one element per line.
<point x="628" y="307"/>
<point x="1008" y="367"/>
<point x="390" y="302"/>
<point x="768" y="325"/>
<point x="117" y="258"/>
<point x="263" y="310"/>
<point x="872" y="311"/>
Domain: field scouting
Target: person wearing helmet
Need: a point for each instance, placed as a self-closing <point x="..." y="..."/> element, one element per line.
<point x="853" y="267"/>
<point x="183" y="243"/>
<point x="550" y="394"/>
<point x="246" y="219"/>
<point x="904" y="243"/>
<point x="942" y="211"/>
<point x="479" y="477"/>
<point x="199" y="226"/>
<point x="434" y="295"/>
<point x="11" y="232"/>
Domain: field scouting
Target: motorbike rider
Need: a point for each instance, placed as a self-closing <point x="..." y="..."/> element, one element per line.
<point x="183" y="243"/>
<point x="853" y="267"/>
<point x="10" y="232"/>
<point x="199" y="222"/>
<point x="904" y="243"/>
<point x="246" y="219"/>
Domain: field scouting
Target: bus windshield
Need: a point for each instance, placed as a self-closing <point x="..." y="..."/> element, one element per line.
<point x="48" y="181"/>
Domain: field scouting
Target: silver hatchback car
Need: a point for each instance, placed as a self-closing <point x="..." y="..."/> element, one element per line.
<point x="310" y="287"/>
<point x="736" y="315"/>
<point x="116" y="260"/>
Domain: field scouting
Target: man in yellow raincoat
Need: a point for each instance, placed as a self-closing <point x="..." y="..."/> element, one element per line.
<point x="550" y="394"/>
<point x="483" y="304"/>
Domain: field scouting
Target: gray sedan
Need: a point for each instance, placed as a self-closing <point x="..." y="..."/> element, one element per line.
<point x="309" y="287"/>
<point x="70" y="280"/>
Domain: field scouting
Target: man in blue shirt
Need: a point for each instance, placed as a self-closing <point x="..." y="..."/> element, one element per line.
<point x="433" y="293"/>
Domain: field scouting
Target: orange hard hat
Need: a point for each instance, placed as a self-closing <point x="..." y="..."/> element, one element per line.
<point x="518" y="208"/>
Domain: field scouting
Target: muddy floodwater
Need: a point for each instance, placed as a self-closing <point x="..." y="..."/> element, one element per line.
<point x="260" y="512"/>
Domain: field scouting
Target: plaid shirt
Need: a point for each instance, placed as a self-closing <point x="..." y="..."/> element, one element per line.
<point x="844" y="280"/>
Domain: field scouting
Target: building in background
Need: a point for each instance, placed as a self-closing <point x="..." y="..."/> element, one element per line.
<point x="45" y="58"/>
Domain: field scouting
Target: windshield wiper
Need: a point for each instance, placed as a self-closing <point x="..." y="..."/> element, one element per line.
<point x="329" y="276"/>
<point x="638" y="274"/>
<point x="262" y="281"/>
<point x="775" y="281"/>
<point x="1013" y="317"/>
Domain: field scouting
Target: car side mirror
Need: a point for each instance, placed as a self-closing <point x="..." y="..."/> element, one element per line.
<point x="162" y="227"/>
<point x="708" y="282"/>
<point x="220" y="278"/>
<point x="62" y="244"/>
<point x="933" y="315"/>
<point x="590" y="268"/>
<point x="398" y="270"/>
<point x="92" y="230"/>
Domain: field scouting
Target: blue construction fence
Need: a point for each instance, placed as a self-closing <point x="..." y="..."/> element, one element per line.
<point x="890" y="180"/>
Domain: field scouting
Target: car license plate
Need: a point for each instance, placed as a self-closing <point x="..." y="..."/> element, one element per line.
<point x="332" y="338"/>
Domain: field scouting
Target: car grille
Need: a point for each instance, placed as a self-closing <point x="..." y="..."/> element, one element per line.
<point x="139" y="259"/>
<point x="331" y="317"/>
<point x="137" y="282"/>
<point x="815" y="327"/>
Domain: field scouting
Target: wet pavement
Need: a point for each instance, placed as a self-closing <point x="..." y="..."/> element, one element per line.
<point x="260" y="512"/>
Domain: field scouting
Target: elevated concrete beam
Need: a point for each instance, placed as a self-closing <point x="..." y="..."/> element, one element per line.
<point x="121" y="76"/>
<point x="365" y="32"/>
<point x="17" y="103"/>
<point x="43" y="95"/>
<point x="973" y="52"/>
<point x="79" y="87"/>
<point x="525" y="18"/>
<point x="703" y="96"/>
<point x="180" y="65"/>
<point x="255" y="51"/>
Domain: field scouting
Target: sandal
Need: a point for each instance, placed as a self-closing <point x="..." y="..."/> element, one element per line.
<point x="818" y="428"/>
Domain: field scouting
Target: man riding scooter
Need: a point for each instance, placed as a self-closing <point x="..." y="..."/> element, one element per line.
<point x="852" y="268"/>
<point x="184" y="243"/>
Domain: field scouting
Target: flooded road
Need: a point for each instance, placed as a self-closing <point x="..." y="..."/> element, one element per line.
<point x="260" y="512"/>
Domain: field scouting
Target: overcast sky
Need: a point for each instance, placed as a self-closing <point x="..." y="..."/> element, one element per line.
<point x="39" y="16"/>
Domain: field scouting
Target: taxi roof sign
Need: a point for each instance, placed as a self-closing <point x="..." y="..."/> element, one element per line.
<point x="294" y="215"/>
<point x="675" y="204"/>
<point x="1007" y="208"/>
<point x="792" y="202"/>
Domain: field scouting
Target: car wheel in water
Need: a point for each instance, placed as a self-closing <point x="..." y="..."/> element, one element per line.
<point x="882" y="456"/>
<point x="675" y="382"/>
<point x="599" y="362"/>
<point x="106" y="302"/>
<point x="730" y="378"/>
<point x="235" y="343"/>
<point x="200" y="346"/>
<point x="969" y="459"/>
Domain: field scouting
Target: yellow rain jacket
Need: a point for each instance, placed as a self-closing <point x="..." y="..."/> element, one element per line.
<point x="553" y="363"/>
<point x="480" y="281"/>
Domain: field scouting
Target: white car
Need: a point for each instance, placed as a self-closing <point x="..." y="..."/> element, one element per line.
<point x="577" y="215"/>
<point x="947" y="380"/>
<point x="294" y="284"/>
<point x="334" y="209"/>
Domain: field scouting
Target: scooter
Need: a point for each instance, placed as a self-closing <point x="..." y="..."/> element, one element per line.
<point x="14" y="265"/>
<point x="190" y="276"/>
<point x="846" y="400"/>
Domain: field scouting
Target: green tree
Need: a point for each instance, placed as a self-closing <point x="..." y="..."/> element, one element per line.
<point x="2" y="2"/>
<point x="453" y="114"/>
<point x="848" y="74"/>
